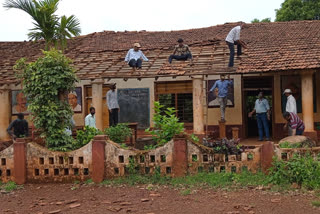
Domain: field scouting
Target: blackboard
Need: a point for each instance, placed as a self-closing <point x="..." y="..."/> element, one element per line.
<point x="134" y="106"/>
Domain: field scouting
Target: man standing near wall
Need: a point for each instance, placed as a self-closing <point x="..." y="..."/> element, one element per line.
<point x="19" y="126"/>
<point x="181" y="52"/>
<point x="262" y="110"/>
<point x="291" y="105"/>
<point x="223" y="88"/>
<point x="233" y="38"/>
<point x="90" y="119"/>
<point x="113" y="106"/>
<point x="134" y="57"/>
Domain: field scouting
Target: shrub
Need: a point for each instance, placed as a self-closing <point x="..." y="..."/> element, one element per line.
<point x="10" y="186"/>
<point x="166" y="124"/>
<point x="194" y="138"/>
<point x="118" y="133"/>
<point x="85" y="136"/>
<point x="303" y="170"/>
<point x="45" y="81"/>
<point x="225" y="146"/>
<point x="308" y="143"/>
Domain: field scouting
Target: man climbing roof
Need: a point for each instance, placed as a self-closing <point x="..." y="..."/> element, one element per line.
<point x="233" y="38"/>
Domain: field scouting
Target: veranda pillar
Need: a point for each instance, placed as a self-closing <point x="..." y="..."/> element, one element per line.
<point x="307" y="103"/>
<point x="4" y="113"/>
<point x="97" y="102"/>
<point x="198" y="121"/>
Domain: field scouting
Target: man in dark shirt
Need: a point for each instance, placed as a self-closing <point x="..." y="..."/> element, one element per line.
<point x="20" y="127"/>
<point x="181" y="52"/>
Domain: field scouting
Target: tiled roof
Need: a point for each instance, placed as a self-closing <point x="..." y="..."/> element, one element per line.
<point x="281" y="46"/>
<point x="271" y="47"/>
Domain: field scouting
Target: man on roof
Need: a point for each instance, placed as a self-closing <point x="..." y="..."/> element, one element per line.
<point x="181" y="52"/>
<point x="134" y="57"/>
<point x="233" y="38"/>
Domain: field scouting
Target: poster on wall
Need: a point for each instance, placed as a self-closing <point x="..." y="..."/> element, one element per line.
<point x="134" y="106"/>
<point x="213" y="101"/>
<point x="19" y="102"/>
<point x="75" y="100"/>
<point x="292" y="82"/>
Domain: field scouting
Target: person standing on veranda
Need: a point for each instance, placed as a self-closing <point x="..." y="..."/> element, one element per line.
<point x="20" y="127"/>
<point x="262" y="110"/>
<point x="90" y="119"/>
<point x="291" y="105"/>
<point x="113" y="105"/>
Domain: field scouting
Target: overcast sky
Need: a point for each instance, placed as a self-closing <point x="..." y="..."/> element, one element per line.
<point x="120" y="15"/>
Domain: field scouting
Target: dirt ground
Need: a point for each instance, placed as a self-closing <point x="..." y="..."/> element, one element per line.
<point x="66" y="198"/>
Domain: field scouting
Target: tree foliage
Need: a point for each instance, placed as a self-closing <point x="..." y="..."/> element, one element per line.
<point x="46" y="82"/>
<point x="262" y="20"/>
<point x="48" y="26"/>
<point x="298" y="10"/>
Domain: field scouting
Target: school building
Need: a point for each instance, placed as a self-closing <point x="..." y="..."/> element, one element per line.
<point x="280" y="55"/>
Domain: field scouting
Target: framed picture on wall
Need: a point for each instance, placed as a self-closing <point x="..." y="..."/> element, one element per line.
<point x="19" y="102"/>
<point x="213" y="101"/>
<point x="75" y="100"/>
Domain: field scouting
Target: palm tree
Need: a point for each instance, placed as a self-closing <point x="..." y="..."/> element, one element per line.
<point x="48" y="26"/>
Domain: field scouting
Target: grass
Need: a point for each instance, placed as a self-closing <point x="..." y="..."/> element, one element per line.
<point x="185" y="192"/>
<point x="89" y="181"/>
<point x="9" y="187"/>
<point x="315" y="203"/>
<point x="214" y="180"/>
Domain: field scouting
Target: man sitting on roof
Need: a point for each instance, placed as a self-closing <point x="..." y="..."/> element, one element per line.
<point x="181" y="52"/>
<point x="134" y="57"/>
<point x="233" y="39"/>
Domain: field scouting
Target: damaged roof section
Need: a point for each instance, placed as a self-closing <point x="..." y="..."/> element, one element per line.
<point x="277" y="46"/>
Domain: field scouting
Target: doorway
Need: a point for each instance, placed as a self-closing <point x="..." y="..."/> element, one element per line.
<point x="251" y="86"/>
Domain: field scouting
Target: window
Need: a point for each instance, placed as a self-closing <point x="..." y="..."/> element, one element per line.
<point x="177" y="95"/>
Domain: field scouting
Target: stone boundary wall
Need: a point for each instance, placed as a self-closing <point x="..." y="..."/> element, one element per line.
<point x="286" y="154"/>
<point x="101" y="159"/>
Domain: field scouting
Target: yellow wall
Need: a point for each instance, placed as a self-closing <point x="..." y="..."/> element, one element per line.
<point x="233" y="114"/>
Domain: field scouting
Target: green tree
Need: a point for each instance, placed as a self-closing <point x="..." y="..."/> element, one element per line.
<point x="298" y="10"/>
<point x="48" y="26"/>
<point x="46" y="83"/>
<point x="262" y="20"/>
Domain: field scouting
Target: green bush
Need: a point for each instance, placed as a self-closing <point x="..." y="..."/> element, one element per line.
<point x="85" y="136"/>
<point x="8" y="187"/>
<point x="118" y="133"/>
<point x="45" y="82"/>
<point x="166" y="124"/>
<point x="303" y="170"/>
<point x="288" y="145"/>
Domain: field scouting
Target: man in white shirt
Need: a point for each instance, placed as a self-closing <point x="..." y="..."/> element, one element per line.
<point x="113" y="106"/>
<point x="134" y="57"/>
<point x="291" y="105"/>
<point x="90" y="119"/>
<point x="233" y="38"/>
